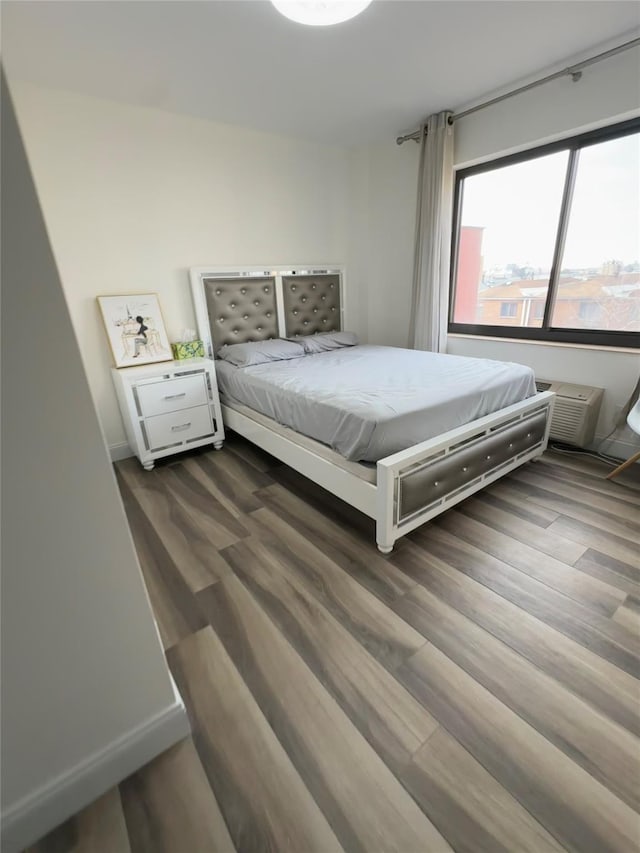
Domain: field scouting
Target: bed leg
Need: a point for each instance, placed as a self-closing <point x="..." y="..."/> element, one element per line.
<point x="385" y="549"/>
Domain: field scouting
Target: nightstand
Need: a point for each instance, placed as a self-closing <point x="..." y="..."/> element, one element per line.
<point x="169" y="407"/>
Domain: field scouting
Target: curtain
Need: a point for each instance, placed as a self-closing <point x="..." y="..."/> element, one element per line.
<point x="431" y="265"/>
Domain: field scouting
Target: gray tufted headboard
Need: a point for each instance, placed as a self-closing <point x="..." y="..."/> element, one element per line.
<point x="235" y="306"/>
<point x="311" y="304"/>
<point x="241" y="310"/>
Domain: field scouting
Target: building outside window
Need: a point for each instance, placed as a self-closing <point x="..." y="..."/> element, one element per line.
<point x="547" y="243"/>
<point x="508" y="309"/>
<point x="590" y="311"/>
<point x="538" y="310"/>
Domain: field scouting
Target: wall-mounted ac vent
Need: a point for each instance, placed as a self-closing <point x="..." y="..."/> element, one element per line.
<point x="575" y="412"/>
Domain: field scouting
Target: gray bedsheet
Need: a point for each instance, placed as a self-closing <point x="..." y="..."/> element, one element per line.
<point x="368" y="402"/>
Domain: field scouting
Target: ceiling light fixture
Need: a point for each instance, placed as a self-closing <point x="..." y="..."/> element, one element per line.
<point x="320" y="13"/>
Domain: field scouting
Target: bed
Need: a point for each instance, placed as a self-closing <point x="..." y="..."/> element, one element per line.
<point x="399" y="434"/>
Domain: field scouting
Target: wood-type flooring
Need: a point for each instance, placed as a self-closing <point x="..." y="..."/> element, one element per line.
<point x="474" y="691"/>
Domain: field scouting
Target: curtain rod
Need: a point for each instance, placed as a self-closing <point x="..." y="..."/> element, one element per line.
<point x="574" y="71"/>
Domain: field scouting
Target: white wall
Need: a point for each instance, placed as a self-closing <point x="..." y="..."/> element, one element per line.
<point x="133" y="197"/>
<point x="382" y="224"/>
<point x="608" y="92"/>
<point x="83" y="670"/>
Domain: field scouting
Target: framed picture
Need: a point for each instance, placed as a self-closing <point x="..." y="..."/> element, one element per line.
<point x="135" y="328"/>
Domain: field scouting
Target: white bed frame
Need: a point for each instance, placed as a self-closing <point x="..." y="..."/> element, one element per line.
<point x="470" y="456"/>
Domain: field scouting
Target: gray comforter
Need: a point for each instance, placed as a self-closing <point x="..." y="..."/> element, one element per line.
<point x="368" y="402"/>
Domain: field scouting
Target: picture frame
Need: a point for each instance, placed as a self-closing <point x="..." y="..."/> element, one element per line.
<point x="135" y="328"/>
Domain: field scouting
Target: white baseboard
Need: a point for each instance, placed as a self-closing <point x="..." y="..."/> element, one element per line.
<point x="120" y="451"/>
<point x="619" y="448"/>
<point x="32" y="817"/>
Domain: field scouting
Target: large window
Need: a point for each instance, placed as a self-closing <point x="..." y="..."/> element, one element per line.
<point x="547" y="243"/>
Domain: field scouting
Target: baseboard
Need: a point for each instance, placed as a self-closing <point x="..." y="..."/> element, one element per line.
<point x="35" y="815"/>
<point x="120" y="451"/>
<point x="619" y="448"/>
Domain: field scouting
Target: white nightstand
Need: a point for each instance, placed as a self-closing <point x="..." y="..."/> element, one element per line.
<point x="169" y="407"/>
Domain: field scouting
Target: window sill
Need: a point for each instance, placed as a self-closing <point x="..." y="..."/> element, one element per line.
<point x="530" y="342"/>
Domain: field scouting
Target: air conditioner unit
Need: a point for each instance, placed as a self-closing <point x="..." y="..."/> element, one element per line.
<point x="575" y="412"/>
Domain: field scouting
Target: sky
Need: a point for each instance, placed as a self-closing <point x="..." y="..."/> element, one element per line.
<point x="518" y="206"/>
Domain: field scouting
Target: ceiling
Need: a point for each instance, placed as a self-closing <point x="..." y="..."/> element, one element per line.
<point x="240" y="62"/>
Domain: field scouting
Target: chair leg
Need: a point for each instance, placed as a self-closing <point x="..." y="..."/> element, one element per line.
<point x="624" y="465"/>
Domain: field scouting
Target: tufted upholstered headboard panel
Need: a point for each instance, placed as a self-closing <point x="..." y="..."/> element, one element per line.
<point x="311" y="304"/>
<point x="241" y="310"/>
<point x="256" y="303"/>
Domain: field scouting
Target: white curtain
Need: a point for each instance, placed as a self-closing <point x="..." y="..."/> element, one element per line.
<point x="433" y="236"/>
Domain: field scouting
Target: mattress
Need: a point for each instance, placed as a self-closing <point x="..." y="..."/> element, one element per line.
<point x="367" y="402"/>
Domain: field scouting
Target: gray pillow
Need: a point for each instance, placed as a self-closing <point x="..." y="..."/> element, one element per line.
<point x="260" y="352"/>
<point x="327" y="341"/>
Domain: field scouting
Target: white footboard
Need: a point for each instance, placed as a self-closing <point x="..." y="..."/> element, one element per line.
<point x="429" y="478"/>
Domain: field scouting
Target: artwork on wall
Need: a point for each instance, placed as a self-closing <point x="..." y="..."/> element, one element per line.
<point x="135" y="328"/>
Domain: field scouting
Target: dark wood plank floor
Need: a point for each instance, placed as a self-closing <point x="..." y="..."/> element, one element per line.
<point x="474" y="691"/>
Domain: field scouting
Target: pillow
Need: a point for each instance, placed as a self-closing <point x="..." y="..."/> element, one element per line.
<point x="260" y="352"/>
<point x="327" y="340"/>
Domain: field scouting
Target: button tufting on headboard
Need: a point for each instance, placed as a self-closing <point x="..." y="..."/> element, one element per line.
<point x="247" y="306"/>
<point x="311" y="303"/>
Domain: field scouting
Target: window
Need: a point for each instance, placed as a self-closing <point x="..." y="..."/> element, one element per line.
<point x="589" y="311"/>
<point x="547" y="243"/>
<point x="508" y="309"/>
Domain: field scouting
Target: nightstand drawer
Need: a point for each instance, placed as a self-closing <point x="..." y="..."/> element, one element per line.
<point x="169" y="395"/>
<point x="183" y="426"/>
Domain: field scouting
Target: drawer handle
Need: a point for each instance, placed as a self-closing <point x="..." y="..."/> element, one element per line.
<point x="175" y="396"/>
<point x="180" y="427"/>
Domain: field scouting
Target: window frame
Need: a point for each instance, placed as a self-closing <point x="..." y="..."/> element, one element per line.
<point x="538" y="315"/>
<point x="546" y="333"/>
<point x="511" y="308"/>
